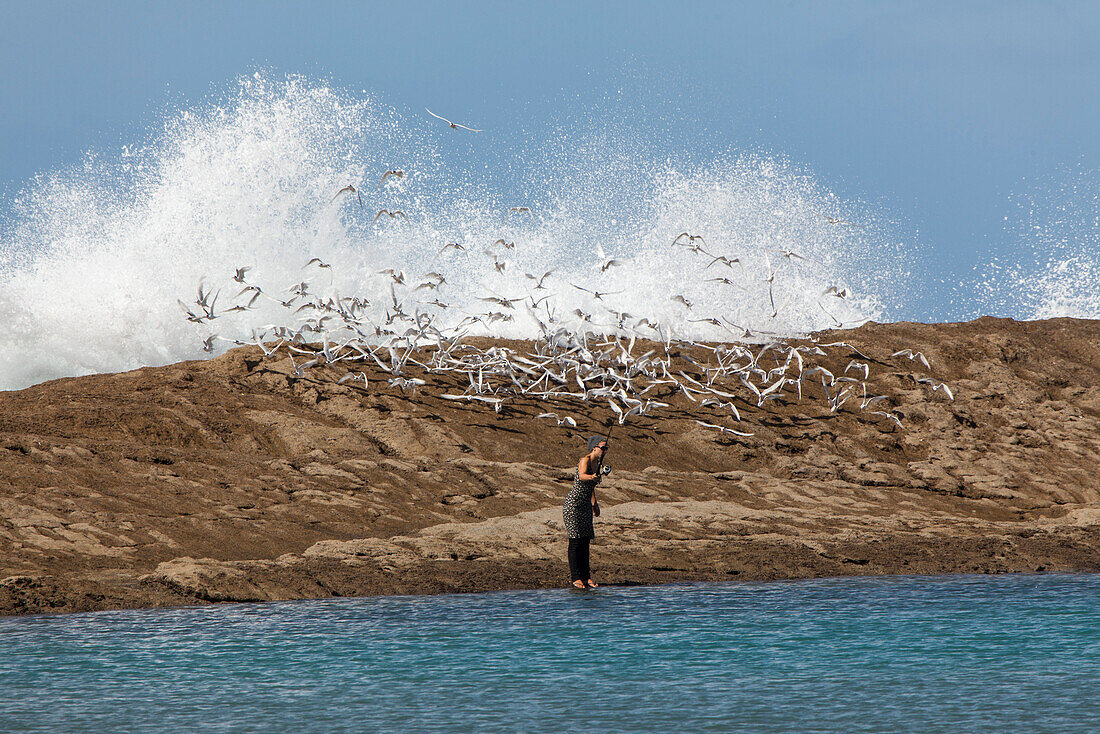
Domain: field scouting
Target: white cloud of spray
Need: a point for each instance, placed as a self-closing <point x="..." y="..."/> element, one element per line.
<point x="1056" y="269"/>
<point x="93" y="259"/>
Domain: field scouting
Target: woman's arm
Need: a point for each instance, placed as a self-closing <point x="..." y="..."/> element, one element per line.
<point x="582" y="470"/>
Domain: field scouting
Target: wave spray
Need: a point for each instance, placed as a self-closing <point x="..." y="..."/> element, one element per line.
<point x="94" y="259"/>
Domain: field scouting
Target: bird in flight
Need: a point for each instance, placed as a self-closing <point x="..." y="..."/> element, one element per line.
<point x="452" y="124"/>
<point x="521" y="210"/>
<point x="723" y="429"/>
<point x="712" y="321"/>
<point x="190" y="314"/>
<point x="505" y="302"/>
<point x="913" y="355"/>
<point x="598" y="295"/>
<point x="891" y="416"/>
<point x="689" y="237"/>
<point x="398" y="277"/>
<point x="538" y="280"/>
<point x="723" y="281"/>
<point x="727" y="261"/>
<point x="932" y="383"/>
<point x="393" y="173"/>
<point x="392" y="215"/>
<point x="349" y="189"/>
<point x="566" y="420"/>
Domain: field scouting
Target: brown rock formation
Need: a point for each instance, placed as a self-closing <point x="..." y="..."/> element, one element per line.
<point x="230" y="479"/>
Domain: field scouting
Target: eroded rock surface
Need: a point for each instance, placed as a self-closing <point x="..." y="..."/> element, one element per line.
<point x="232" y="480"/>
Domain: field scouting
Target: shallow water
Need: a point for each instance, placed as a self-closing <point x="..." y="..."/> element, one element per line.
<point x="955" y="653"/>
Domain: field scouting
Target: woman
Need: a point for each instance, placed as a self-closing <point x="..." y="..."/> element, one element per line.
<point x="580" y="506"/>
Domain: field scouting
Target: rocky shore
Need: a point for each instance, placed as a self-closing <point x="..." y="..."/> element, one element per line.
<point x="233" y="480"/>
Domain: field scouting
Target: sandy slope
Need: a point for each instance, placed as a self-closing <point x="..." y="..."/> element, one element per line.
<point x="232" y="480"/>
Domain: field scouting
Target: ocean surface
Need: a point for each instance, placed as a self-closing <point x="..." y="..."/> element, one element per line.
<point x="1012" y="653"/>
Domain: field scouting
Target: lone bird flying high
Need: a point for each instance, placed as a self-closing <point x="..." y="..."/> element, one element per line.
<point x="453" y="125"/>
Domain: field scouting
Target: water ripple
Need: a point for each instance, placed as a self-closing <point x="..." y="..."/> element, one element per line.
<point x="1004" y="653"/>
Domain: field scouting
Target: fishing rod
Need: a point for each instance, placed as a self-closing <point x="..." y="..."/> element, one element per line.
<point x="605" y="469"/>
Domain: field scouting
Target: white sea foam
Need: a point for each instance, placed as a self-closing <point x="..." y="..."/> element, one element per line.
<point x="1067" y="286"/>
<point x="1055" y="270"/>
<point x="93" y="259"/>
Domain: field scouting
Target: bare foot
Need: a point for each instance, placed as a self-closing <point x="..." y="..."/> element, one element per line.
<point x="592" y="584"/>
<point x="579" y="584"/>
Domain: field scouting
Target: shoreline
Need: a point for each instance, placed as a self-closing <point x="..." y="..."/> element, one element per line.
<point x="233" y="480"/>
<point x="188" y="602"/>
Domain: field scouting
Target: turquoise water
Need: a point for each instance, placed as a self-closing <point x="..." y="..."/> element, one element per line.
<point x="955" y="653"/>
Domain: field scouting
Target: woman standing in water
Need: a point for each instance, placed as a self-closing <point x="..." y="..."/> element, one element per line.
<point x="579" y="509"/>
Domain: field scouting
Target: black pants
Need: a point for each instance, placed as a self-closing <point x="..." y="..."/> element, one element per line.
<point x="578" y="559"/>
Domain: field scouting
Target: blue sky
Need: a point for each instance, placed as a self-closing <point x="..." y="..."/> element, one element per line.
<point x="939" y="114"/>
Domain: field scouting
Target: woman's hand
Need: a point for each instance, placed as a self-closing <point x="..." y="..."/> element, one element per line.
<point x="596" y="509"/>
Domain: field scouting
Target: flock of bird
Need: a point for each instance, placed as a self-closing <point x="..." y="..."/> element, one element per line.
<point x="598" y="356"/>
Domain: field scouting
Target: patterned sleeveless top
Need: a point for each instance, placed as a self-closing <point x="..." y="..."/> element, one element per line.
<point x="577" y="509"/>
